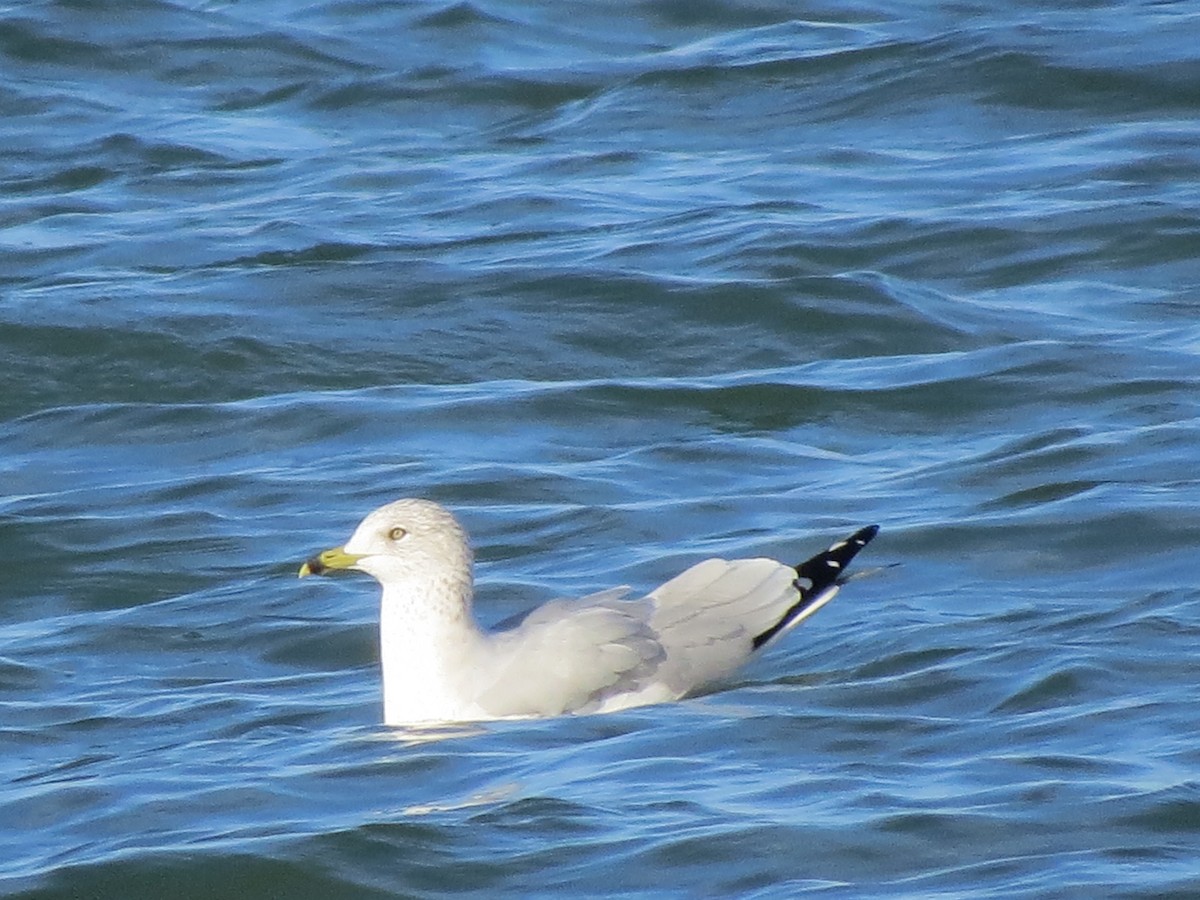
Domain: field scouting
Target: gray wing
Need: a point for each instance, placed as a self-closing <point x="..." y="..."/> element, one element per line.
<point x="708" y="618"/>
<point x="570" y="656"/>
<point x="605" y="653"/>
<point x="602" y="652"/>
<point x="711" y="618"/>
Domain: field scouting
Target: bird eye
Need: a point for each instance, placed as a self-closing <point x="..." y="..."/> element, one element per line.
<point x="396" y="533"/>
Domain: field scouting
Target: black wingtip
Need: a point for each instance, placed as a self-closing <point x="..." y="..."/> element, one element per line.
<point x="828" y="568"/>
<point x="815" y="577"/>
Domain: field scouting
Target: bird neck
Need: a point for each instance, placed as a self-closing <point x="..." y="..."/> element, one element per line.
<point x="426" y="630"/>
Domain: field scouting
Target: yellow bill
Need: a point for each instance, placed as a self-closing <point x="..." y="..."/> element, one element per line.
<point x="335" y="560"/>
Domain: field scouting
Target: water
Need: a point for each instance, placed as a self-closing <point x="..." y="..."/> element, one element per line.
<point x="624" y="285"/>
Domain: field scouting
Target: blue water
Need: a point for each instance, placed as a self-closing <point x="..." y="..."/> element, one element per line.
<point x="625" y="285"/>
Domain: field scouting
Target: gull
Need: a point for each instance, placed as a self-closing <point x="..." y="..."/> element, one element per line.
<point x="595" y="654"/>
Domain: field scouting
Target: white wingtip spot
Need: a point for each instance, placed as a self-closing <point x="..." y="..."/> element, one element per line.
<point x="833" y="564"/>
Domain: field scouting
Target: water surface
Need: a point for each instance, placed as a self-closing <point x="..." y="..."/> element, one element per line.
<point x="625" y="287"/>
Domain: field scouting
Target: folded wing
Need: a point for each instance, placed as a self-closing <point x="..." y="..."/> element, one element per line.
<point x="603" y="652"/>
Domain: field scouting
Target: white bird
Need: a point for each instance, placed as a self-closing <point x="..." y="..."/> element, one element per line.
<point x="595" y="654"/>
